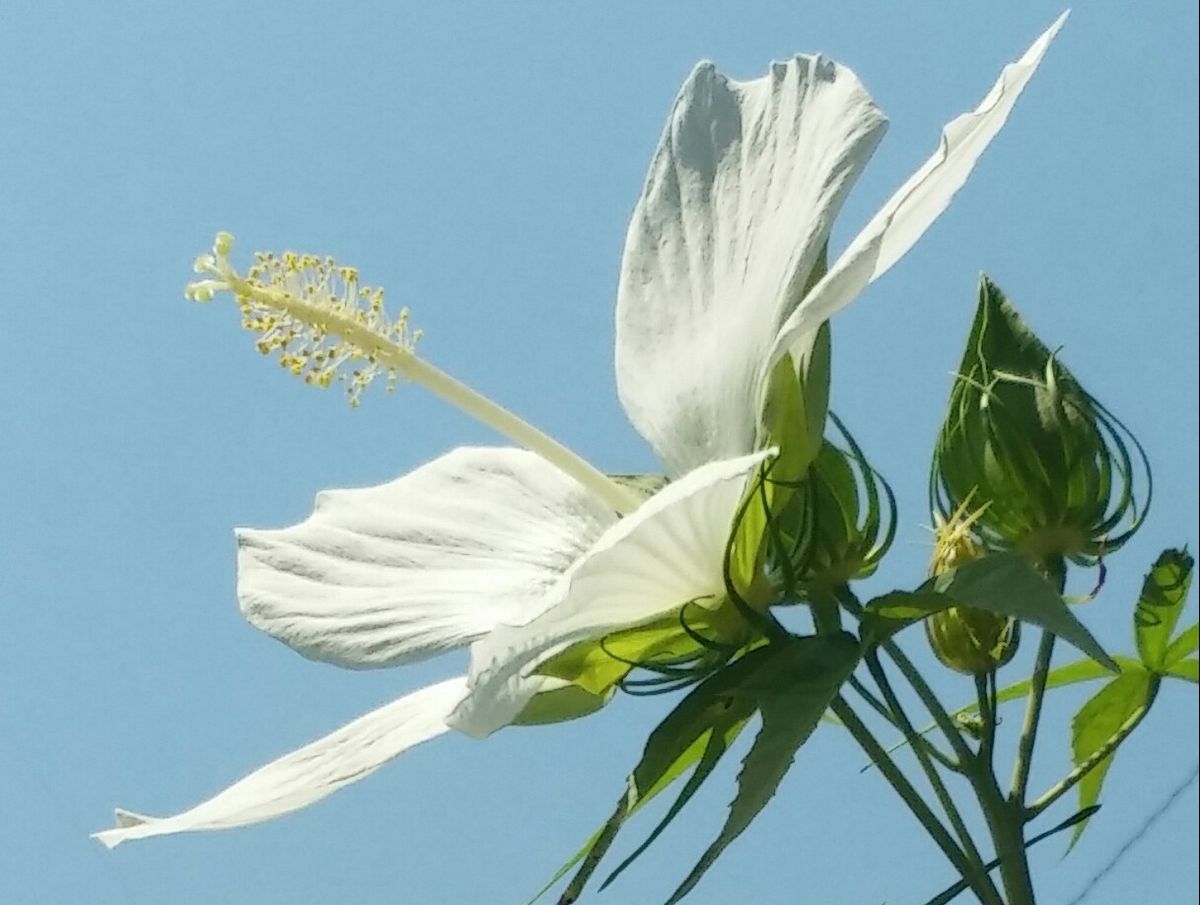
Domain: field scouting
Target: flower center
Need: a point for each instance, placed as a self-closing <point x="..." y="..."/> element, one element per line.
<point x="313" y="313"/>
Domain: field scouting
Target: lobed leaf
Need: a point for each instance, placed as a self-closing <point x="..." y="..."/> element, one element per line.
<point x="1185" y="643"/>
<point x="1188" y="670"/>
<point x="677" y="743"/>
<point x="801" y="682"/>
<point x="1097" y="722"/>
<point x="1164" y="593"/>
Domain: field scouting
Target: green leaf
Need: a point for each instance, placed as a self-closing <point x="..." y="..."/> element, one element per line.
<point x="716" y="744"/>
<point x="704" y="724"/>
<point x="629" y="804"/>
<point x="1097" y="722"/>
<point x="1185" y="643"/>
<point x="675" y="744"/>
<point x="796" y="688"/>
<point x="1002" y="583"/>
<point x="1067" y="674"/>
<point x="679" y="741"/>
<point x="1164" y="593"/>
<point x="571" y="862"/>
<point x="1189" y="670"/>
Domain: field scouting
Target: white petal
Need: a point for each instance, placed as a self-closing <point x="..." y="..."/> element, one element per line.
<point x="426" y="563"/>
<point x="911" y="211"/>
<point x="310" y="773"/>
<point x="668" y="552"/>
<point x="738" y="203"/>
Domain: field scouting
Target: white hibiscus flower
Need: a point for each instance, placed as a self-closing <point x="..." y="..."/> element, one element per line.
<point x="523" y="553"/>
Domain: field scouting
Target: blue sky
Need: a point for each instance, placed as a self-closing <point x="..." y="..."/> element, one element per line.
<point x="481" y="161"/>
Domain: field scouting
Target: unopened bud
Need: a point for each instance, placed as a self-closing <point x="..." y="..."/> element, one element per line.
<point x="967" y="640"/>
<point x="1053" y="466"/>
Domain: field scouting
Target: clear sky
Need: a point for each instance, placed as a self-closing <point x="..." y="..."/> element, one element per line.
<point x="480" y="161"/>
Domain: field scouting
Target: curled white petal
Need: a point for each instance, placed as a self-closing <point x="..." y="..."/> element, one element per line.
<point x="308" y="774"/>
<point x="736" y="209"/>
<point x="667" y="553"/>
<point x="913" y="208"/>
<point x="429" y="562"/>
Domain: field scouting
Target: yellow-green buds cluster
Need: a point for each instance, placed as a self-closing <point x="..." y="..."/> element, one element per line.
<point x="967" y="640"/>
<point x="1022" y="437"/>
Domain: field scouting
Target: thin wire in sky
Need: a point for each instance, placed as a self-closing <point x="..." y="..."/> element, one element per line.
<point x="1133" y="840"/>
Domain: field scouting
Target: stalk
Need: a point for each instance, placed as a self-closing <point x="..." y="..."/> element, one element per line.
<point x="970" y="872"/>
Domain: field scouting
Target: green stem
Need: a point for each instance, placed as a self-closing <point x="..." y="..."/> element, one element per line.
<point x="1005" y="820"/>
<point x="1081" y="770"/>
<point x="917" y="681"/>
<point x="950" y="893"/>
<point x="877" y="705"/>
<point x="917" y="739"/>
<point x="985" y="686"/>
<point x="931" y="701"/>
<point x="1033" y="716"/>
<point x="905" y="790"/>
<point x="983" y="887"/>
<point x="1006" y="823"/>
<point x="1007" y="817"/>
<point x="1055" y="570"/>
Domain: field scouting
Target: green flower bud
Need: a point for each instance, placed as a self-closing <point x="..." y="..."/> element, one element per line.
<point x="837" y="524"/>
<point x="967" y="640"/>
<point x="1052" y="465"/>
<point x="972" y="642"/>
<point x="793" y="423"/>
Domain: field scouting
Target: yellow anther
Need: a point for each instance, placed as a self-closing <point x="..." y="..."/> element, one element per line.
<point x="953" y="543"/>
<point x="312" y="312"/>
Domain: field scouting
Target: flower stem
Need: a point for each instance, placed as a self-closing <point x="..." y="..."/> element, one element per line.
<point x="983" y="886"/>
<point x="985" y="693"/>
<point x="1056" y="571"/>
<point x="1006" y="823"/>
<point x="1033" y="715"/>
<point x="914" y="678"/>
<point x="916" y="804"/>
<point x="1007" y="817"/>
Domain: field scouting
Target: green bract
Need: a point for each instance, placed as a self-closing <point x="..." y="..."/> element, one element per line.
<point x="849" y="517"/>
<point x="1050" y="462"/>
